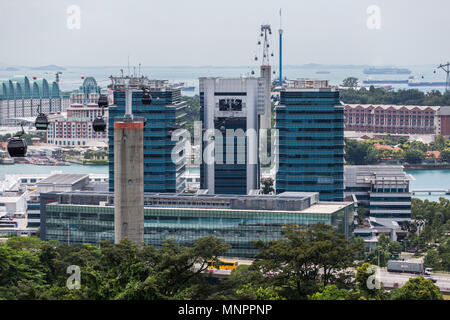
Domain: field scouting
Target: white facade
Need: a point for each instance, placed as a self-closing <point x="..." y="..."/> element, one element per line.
<point x="13" y="205"/>
<point x="25" y="108"/>
<point x="233" y="98"/>
<point x="384" y="190"/>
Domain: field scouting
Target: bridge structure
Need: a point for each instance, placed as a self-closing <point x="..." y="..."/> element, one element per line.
<point x="430" y="191"/>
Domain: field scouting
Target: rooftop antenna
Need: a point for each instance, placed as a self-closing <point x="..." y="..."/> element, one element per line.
<point x="281" y="52"/>
<point x="128" y="65"/>
<point x="139" y="69"/>
<point x="446" y="68"/>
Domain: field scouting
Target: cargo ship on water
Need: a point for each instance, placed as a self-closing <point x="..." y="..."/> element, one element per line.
<point x="414" y="82"/>
<point x="376" y="70"/>
<point x="371" y="81"/>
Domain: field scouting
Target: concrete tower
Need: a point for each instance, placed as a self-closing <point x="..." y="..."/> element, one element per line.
<point x="266" y="75"/>
<point x="266" y="118"/>
<point x="128" y="173"/>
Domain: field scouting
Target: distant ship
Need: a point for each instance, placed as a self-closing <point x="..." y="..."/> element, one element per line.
<point x="322" y="72"/>
<point x="191" y="88"/>
<point x="415" y="83"/>
<point x="376" y="70"/>
<point x="370" y="81"/>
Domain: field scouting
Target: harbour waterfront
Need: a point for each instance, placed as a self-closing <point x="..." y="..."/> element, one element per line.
<point x="71" y="76"/>
<point x="430" y="179"/>
<point x="425" y="179"/>
<point x="25" y="168"/>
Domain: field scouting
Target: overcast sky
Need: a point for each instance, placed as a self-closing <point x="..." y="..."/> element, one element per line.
<point x="211" y="32"/>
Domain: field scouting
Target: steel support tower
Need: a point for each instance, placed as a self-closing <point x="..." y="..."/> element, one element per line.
<point x="446" y="68"/>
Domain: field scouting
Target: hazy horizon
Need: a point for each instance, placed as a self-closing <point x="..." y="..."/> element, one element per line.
<point x="211" y="33"/>
<point x="219" y="66"/>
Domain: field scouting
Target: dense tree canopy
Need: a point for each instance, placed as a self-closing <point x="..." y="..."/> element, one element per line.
<point x="399" y="97"/>
<point x="417" y="288"/>
<point x="294" y="262"/>
<point x="360" y="153"/>
<point x="308" y="263"/>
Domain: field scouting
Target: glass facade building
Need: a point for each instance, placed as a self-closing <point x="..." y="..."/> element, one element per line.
<point x="69" y="221"/>
<point x="311" y="142"/>
<point x="165" y="115"/>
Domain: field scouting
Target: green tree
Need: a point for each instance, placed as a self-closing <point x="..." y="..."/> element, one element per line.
<point x="432" y="260"/>
<point x="417" y="288"/>
<point x="398" y="97"/>
<point x="31" y="269"/>
<point x="361" y="214"/>
<point x="192" y="111"/>
<point x="367" y="283"/>
<point x="350" y="82"/>
<point x="267" y="186"/>
<point x="445" y="155"/>
<point x="379" y="256"/>
<point x="360" y="153"/>
<point x="295" y="261"/>
<point x="251" y="292"/>
<point x="414" y="155"/>
<point x="438" y="144"/>
<point x="331" y="292"/>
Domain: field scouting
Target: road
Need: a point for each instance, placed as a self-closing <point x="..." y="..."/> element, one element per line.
<point x="387" y="279"/>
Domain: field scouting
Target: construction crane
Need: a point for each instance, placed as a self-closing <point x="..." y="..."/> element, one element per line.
<point x="446" y="68"/>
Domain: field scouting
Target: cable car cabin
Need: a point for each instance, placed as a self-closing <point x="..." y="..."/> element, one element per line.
<point x="41" y="122"/>
<point x="222" y="265"/>
<point x="146" y="99"/>
<point x="99" y="124"/>
<point x="17" y="147"/>
<point x="102" y="101"/>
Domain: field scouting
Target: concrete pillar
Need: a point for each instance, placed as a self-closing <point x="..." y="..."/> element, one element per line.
<point x="129" y="181"/>
<point x="266" y="119"/>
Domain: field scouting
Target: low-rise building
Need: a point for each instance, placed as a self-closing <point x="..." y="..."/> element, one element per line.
<point x="63" y="182"/>
<point x="74" y="128"/>
<point x="376" y="227"/>
<point x="13" y="208"/>
<point x="397" y="120"/>
<point x="20" y="194"/>
<point x="382" y="190"/>
<point x="87" y="217"/>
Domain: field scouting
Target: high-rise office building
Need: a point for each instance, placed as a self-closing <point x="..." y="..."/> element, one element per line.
<point x="310" y="120"/>
<point x="232" y="106"/>
<point x="163" y="117"/>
